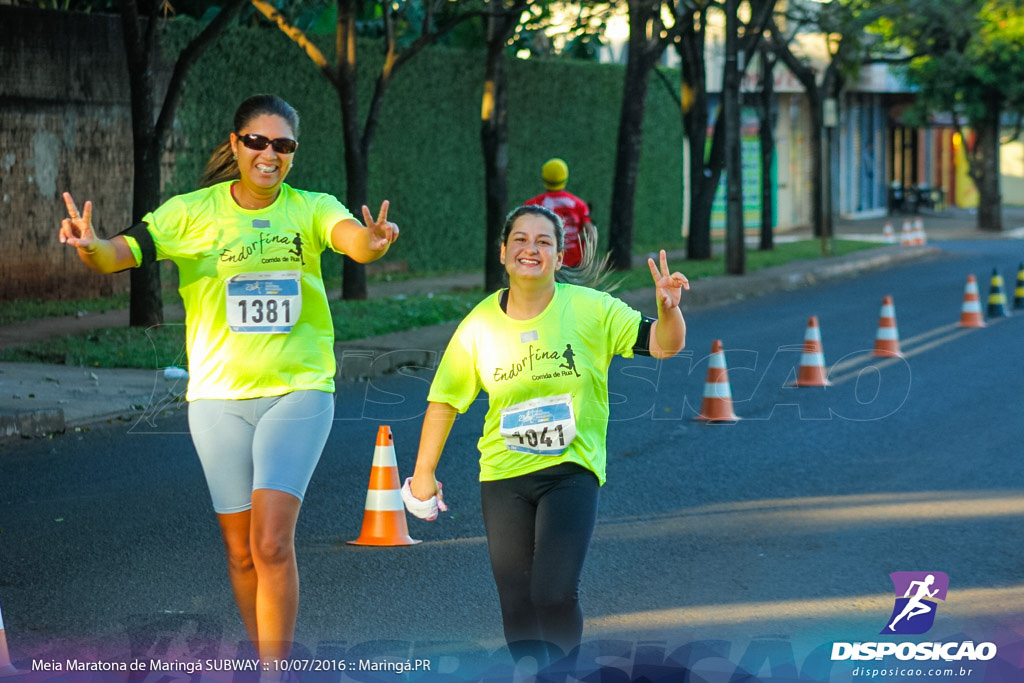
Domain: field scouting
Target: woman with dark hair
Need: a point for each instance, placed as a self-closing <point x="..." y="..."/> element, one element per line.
<point x="541" y="350"/>
<point x="260" y="342"/>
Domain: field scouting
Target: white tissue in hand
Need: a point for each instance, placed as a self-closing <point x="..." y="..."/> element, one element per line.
<point x="424" y="509"/>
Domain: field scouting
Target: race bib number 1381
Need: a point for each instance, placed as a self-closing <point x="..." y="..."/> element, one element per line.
<point x="264" y="303"/>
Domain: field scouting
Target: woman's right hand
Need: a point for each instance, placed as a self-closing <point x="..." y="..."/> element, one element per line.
<point x="76" y="230"/>
<point x="424" y="486"/>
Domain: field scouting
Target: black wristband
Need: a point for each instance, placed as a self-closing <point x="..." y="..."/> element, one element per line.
<point x="140" y="233"/>
<point x="642" y="347"/>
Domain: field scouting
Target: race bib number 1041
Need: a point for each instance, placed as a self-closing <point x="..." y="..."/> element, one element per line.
<point x="264" y="303"/>
<point x="541" y="426"/>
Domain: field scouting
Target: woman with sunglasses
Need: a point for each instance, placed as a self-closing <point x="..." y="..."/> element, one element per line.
<point x="541" y="350"/>
<point x="259" y="338"/>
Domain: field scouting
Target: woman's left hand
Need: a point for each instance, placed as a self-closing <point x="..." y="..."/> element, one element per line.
<point x="669" y="287"/>
<point x="382" y="231"/>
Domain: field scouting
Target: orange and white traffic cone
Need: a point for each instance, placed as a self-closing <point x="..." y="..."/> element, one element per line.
<point x="717" y="403"/>
<point x="907" y="235"/>
<point x="970" y="312"/>
<point x="887" y="339"/>
<point x="920" y="238"/>
<point x="6" y="668"/>
<point x="384" y="513"/>
<point x="888" y="234"/>
<point x="812" y="361"/>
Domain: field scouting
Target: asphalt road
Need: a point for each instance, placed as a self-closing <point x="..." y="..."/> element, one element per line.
<point x="745" y="547"/>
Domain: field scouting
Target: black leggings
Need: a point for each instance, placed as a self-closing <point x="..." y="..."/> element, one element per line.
<point x="538" y="529"/>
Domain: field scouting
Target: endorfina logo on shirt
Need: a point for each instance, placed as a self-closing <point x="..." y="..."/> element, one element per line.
<point x="540" y="363"/>
<point x="261" y="247"/>
<point x="916" y="596"/>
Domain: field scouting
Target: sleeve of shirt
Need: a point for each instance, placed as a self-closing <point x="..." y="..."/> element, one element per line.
<point x="329" y="212"/>
<point x="622" y="323"/>
<point x="136" y="250"/>
<point x="456" y="381"/>
<point x="166" y="225"/>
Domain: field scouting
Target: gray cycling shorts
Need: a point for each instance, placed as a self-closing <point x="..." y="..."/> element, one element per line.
<point x="259" y="443"/>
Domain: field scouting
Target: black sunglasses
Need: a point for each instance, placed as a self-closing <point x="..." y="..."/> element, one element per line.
<point x="261" y="142"/>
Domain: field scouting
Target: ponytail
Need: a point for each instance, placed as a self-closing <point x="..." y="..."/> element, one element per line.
<point x="591" y="272"/>
<point x="221" y="166"/>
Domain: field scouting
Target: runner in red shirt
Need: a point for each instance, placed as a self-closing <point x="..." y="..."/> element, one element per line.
<point x="580" y="233"/>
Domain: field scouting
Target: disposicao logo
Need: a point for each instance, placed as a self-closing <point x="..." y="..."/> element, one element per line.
<point x="917" y="594"/>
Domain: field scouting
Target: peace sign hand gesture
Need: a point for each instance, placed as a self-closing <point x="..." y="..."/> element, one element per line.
<point x="669" y="287"/>
<point x="382" y="231"/>
<point x="76" y="230"/>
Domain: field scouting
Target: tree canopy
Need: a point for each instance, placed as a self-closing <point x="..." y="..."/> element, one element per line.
<point x="966" y="59"/>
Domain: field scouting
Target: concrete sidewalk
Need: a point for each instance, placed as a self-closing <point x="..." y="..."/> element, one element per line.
<point x="37" y="400"/>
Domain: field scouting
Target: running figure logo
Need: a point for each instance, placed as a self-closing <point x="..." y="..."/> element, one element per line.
<point x="570" y="362"/>
<point x="298" y="248"/>
<point x="916" y="595"/>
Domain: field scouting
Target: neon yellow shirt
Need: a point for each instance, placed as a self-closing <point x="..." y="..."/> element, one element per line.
<point x="565" y="350"/>
<point x="263" y="268"/>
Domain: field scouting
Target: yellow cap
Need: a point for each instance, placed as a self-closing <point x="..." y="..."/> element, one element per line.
<point x="555" y="173"/>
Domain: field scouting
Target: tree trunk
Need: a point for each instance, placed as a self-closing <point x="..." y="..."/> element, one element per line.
<point x="353" y="273"/>
<point x="146" y="304"/>
<point x="695" y="127"/>
<point x="698" y="245"/>
<point x="985" y="168"/>
<point x="735" y="254"/>
<point x="815" y="142"/>
<point x="494" y="142"/>
<point x="831" y="86"/>
<point x="706" y="186"/>
<point x="766" y="133"/>
<point x="145" y="308"/>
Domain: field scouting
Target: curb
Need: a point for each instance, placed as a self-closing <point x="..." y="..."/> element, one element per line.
<point x="32" y="423"/>
<point x="360" y="364"/>
<point x="43" y="400"/>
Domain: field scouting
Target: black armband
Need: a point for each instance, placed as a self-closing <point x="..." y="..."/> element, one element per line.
<point x="642" y="347"/>
<point x="140" y="233"/>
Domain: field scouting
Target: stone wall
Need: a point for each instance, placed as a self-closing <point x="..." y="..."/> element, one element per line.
<point x="64" y="125"/>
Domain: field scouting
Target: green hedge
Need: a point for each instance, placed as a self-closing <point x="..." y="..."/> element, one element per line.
<point x="426" y="157"/>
